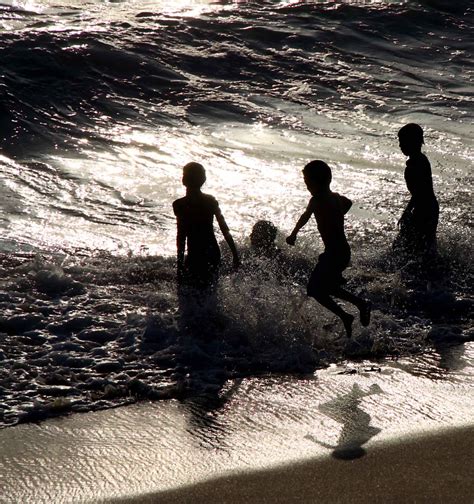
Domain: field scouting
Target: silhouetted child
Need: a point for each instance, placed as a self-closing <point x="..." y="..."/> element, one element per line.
<point x="326" y="279"/>
<point x="262" y="239"/>
<point x="419" y="220"/>
<point x="195" y="217"/>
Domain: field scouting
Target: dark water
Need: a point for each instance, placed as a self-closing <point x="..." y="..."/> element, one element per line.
<point x="102" y="103"/>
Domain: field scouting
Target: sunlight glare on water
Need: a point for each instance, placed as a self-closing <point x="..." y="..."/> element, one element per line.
<point x="187" y="7"/>
<point x="247" y="170"/>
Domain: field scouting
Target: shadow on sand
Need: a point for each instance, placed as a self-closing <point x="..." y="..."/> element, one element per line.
<point x="356" y="429"/>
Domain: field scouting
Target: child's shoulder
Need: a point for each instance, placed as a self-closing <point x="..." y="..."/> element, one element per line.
<point x="208" y="197"/>
<point x="210" y="200"/>
<point x="334" y="202"/>
<point x="325" y="199"/>
<point x="201" y="197"/>
<point x="418" y="161"/>
<point x="178" y="203"/>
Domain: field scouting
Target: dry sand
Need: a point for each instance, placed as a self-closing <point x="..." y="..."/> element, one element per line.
<point x="435" y="468"/>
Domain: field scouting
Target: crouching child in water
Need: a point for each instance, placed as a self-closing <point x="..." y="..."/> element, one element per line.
<point x="326" y="279"/>
<point x="262" y="240"/>
<point x="195" y="214"/>
<point x="264" y="247"/>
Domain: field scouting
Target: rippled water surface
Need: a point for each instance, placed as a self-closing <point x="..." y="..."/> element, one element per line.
<point x="103" y="102"/>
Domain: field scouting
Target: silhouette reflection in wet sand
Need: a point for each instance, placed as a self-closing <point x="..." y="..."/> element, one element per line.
<point x="418" y="223"/>
<point x="356" y="429"/>
<point x="205" y="423"/>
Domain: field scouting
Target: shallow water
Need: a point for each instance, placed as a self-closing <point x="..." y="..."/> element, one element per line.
<point x="103" y="102"/>
<point x="345" y="412"/>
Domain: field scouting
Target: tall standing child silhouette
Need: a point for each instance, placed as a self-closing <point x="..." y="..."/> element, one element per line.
<point x="419" y="220"/>
<point x="326" y="279"/>
<point x="195" y="213"/>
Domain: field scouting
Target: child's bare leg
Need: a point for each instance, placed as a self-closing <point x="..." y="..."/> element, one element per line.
<point x="332" y="306"/>
<point x="363" y="305"/>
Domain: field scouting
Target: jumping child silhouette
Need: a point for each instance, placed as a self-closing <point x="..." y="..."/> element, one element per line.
<point x="195" y="216"/>
<point x="326" y="279"/>
<point x="419" y="220"/>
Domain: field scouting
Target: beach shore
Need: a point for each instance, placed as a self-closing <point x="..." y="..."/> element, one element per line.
<point x="432" y="468"/>
<point x="393" y="432"/>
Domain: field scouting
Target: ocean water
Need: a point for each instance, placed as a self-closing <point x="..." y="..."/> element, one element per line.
<point x="102" y="102"/>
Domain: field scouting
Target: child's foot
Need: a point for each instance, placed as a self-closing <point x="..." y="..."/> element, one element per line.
<point x="347" y="321"/>
<point x="365" y="313"/>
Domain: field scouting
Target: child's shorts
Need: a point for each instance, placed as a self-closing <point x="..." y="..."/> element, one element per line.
<point x="327" y="275"/>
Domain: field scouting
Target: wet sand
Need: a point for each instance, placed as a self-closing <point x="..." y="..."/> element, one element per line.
<point x="364" y="432"/>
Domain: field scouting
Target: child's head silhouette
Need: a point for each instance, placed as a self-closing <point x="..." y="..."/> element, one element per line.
<point x="263" y="235"/>
<point x="194" y="175"/>
<point x="410" y="138"/>
<point x="317" y="174"/>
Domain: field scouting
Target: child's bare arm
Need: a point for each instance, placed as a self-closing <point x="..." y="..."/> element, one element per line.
<point x="180" y="245"/>
<point x="301" y="222"/>
<point x="228" y="237"/>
